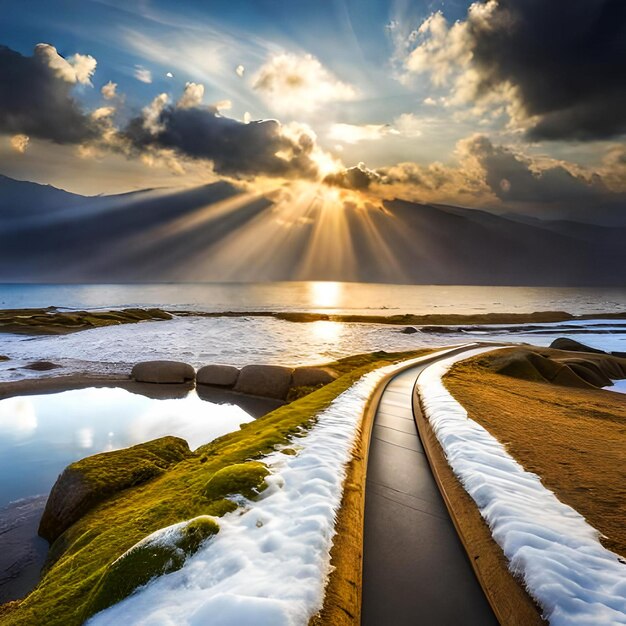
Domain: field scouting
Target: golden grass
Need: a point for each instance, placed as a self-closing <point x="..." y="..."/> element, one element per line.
<point x="574" y="439"/>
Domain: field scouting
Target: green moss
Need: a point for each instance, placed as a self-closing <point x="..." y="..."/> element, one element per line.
<point x="161" y="554"/>
<point x="109" y="530"/>
<point x="90" y="481"/>
<point x="247" y="479"/>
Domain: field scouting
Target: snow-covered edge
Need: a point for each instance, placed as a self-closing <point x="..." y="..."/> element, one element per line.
<point x="565" y="568"/>
<point x="269" y="564"/>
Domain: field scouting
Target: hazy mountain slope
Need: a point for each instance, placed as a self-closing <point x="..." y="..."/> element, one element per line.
<point x="219" y="232"/>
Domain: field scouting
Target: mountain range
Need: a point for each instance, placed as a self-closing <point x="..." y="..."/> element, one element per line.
<point x="220" y="232"/>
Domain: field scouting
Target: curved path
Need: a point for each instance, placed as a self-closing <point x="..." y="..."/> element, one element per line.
<point x="415" y="569"/>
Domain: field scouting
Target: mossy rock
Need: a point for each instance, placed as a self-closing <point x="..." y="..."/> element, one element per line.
<point x="86" y="483"/>
<point x="161" y="553"/>
<point x="247" y="479"/>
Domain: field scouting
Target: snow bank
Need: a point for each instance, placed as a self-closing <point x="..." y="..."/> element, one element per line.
<point x="618" y="386"/>
<point x="269" y="563"/>
<point x="570" y="574"/>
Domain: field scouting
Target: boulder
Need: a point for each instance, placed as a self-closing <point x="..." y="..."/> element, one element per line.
<point x="438" y="330"/>
<point x="270" y="381"/>
<point x="162" y="372"/>
<point x="571" y="345"/>
<point x="90" y="481"/>
<point x="41" y="366"/>
<point x="217" y="375"/>
<point x="409" y="330"/>
<point x="312" y="377"/>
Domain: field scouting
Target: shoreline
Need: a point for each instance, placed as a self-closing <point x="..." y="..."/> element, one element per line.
<point x="37" y="322"/>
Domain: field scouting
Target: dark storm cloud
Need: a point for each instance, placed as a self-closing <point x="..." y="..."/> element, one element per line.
<point x="36" y="100"/>
<point x="512" y="179"/>
<point x="358" y="177"/>
<point x="235" y="148"/>
<point x="566" y="58"/>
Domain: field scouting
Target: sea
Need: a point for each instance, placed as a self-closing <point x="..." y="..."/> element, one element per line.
<point x="249" y="340"/>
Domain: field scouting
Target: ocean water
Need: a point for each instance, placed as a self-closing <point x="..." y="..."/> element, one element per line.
<point x="330" y="297"/>
<point x="247" y="340"/>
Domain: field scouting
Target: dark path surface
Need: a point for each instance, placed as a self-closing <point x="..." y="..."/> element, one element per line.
<point x="415" y="569"/>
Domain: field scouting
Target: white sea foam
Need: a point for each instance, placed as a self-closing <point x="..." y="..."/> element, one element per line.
<point x="566" y="569"/>
<point x="269" y="563"/>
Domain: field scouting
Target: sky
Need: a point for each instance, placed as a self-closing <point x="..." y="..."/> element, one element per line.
<point x="513" y="106"/>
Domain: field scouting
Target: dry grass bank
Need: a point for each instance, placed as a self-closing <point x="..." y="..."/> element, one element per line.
<point x="574" y="439"/>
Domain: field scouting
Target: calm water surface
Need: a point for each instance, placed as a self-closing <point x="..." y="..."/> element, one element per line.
<point x="41" y="435"/>
<point x="317" y="296"/>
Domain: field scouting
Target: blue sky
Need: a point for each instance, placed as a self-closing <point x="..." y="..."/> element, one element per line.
<point x="404" y="98"/>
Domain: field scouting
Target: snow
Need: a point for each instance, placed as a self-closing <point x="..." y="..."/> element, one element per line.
<point x="269" y="563"/>
<point x="618" y="386"/>
<point x="573" y="578"/>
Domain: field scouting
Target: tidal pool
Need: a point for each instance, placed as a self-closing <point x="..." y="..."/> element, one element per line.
<point x="41" y="434"/>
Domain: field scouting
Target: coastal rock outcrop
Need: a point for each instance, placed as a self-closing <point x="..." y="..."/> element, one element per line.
<point x="163" y="372"/>
<point x="41" y="366"/>
<point x="409" y="330"/>
<point x="90" y="481"/>
<point x="591" y="371"/>
<point x="312" y="377"/>
<point x="218" y="375"/>
<point x="271" y="381"/>
<point x="571" y="345"/>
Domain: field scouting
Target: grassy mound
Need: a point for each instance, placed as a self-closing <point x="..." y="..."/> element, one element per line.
<point x="88" y="482"/>
<point x="247" y="479"/>
<point x="193" y="487"/>
<point x="163" y="552"/>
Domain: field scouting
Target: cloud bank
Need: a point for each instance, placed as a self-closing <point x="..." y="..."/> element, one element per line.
<point x="559" y="66"/>
<point x="36" y="95"/>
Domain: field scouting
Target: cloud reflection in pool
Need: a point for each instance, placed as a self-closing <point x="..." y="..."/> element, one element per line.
<point x="40" y="435"/>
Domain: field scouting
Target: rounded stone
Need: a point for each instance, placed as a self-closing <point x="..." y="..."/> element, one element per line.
<point x="312" y="377"/>
<point x="163" y="372"/>
<point x="270" y="381"/>
<point x="217" y="375"/>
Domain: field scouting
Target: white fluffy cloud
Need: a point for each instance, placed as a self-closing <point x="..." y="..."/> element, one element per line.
<point x="290" y="82"/>
<point x="142" y="74"/>
<point x="152" y="114"/>
<point x="78" y="68"/>
<point x="192" y="96"/>
<point x="109" y="91"/>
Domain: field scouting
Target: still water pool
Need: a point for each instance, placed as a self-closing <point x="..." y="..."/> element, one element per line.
<point x="41" y="434"/>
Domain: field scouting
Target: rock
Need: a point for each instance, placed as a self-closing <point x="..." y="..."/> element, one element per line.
<point x="438" y="330"/>
<point x="312" y="377"/>
<point x="409" y="330"/>
<point x="271" y="381"/>
<point x="585" y="371"/>
<point x="3" y="358"/>
<point x="162" y="372"/>
<point x="218" y="375"/>
<point x="41" y="366"/>
<point x="162" y="552"/>
<point x="88" y="482"/>
<point x="571" y="345"/>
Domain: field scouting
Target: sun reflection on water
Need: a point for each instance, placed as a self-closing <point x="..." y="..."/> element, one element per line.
<point x="325" y="294"/>
<point x="326" y="331"/>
